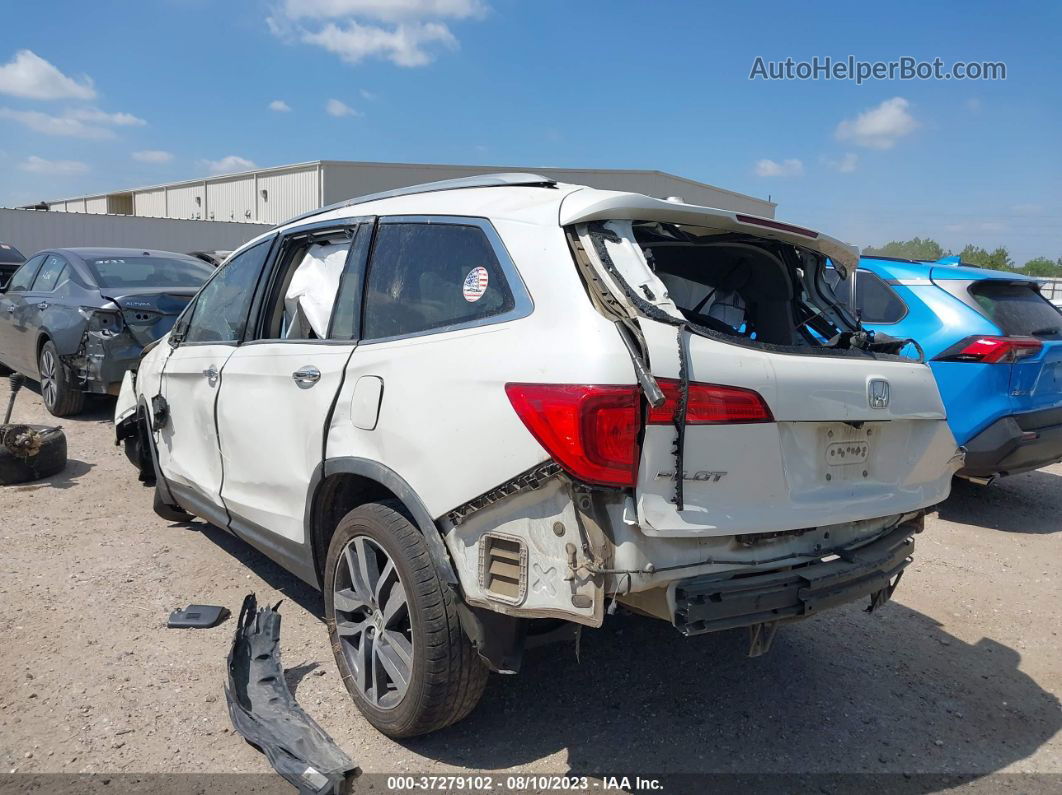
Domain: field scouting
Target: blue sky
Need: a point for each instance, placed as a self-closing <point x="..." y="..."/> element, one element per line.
<point x="109" y="94"/>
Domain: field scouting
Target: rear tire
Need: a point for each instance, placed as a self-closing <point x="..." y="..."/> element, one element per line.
<point x="422" y="674"/>
<point x="61" y="397"/>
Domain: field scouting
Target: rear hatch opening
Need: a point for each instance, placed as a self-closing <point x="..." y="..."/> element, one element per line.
<point x="765" y="405"/>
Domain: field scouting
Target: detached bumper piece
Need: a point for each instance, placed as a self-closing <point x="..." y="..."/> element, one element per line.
<point x="1015" y="444"/>
<point x="709" y="604"/>
<point x="266" y="714"/>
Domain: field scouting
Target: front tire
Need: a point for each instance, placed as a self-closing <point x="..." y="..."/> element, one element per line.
<point x="394" y="626"/>
<point x="61" y="397"/>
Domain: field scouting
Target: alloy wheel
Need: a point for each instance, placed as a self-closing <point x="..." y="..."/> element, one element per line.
<point x="49" y="387"/>
<point x="373" y="623"/>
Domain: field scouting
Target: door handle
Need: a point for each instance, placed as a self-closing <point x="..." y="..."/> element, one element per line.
<point x="211" y="373"/>
<point x="306" y="376"/>
<point x="11" y="308"/>
<point x="42" y="305"/>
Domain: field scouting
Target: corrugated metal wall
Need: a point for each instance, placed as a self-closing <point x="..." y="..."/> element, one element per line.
<point x="347" y="180"/>
<point x="231" y="199"/>
<point x="150" y="203"/>
<point x="97" y="205"/>
<point x="288" y="193"/>
<point x="186" y="201"/>
<point x="33" y="230"/>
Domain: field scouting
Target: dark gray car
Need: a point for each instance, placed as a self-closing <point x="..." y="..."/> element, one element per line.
<point x="78" y="318"/>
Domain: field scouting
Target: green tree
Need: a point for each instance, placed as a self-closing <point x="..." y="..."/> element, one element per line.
<point x="995" y="260"/>
<point x="916" y="248"/>
<point x="1042" y="266"/>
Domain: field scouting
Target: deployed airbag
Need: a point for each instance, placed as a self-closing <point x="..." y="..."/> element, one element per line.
<point x="266" y="714"/>
<point x="312" y="290"/>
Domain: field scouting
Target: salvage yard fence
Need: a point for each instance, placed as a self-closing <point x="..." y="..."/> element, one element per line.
<point x="32" y="230"/>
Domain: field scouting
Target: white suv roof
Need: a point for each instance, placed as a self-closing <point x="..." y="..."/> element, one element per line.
<point x="531" y="198"/>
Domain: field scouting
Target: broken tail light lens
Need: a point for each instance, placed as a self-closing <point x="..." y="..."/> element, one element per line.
<point x="590" y="430"/>
<point x="710" y="404"/>
<point x="991" y="350"/>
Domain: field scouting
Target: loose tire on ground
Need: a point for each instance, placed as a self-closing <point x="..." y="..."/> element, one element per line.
<point x="49" y="459"/>
<point x="446" y="676"/>
<point x="61" y="397"/>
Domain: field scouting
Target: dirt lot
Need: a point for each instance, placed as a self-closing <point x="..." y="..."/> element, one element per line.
<point x="960" y="674"/>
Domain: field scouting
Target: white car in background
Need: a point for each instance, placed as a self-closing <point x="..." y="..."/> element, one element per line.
<point x="468" y="409"/>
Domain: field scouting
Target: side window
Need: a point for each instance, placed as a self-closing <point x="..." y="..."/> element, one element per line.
<point x="426" y="276"/>
<point x="306" y="280"/>
<point x="49" y="274"/>
<point x="23" y="277"/>
<point x="876" y="302"/>
<point x="220" y="312"/>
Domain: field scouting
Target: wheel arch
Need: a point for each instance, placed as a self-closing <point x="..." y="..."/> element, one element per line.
<point x="339" y="485"/>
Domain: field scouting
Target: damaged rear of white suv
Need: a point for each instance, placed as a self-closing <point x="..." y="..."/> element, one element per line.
<point x="469" y="409"/>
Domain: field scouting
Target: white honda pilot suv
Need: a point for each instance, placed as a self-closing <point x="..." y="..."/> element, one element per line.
<point x="478" y="412"/>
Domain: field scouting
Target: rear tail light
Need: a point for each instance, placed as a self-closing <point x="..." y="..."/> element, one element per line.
<point x="991" y="350"/>
<point x="710" y="404"/>
<point x="593" y="430"/>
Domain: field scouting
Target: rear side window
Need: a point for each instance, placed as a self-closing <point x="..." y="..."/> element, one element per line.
<point x="23" y="277"/>
<point x="1018" y="309"/>
<point x="429" y="276"/>
<point x="876" y="302"/>
<point x="49" y="275"/>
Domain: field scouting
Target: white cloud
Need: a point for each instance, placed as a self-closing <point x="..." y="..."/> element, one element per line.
<point x="339" y="109"/>
<point x="366" y="94"/>
<point x="280" y="106"/>
<point x="152" y="156"/>
<point x="405" y="32"/>
<point x="55" y="125"/>
<point x="787" y="168"/>
<point x="30" y="76"/>
<point x="384" y="10"/>
<point x="846" y="164"/>
<point x="879" y="127"/>
<point x="38" y="165"/>
<point x="89" y="123"/>
<point x="228" y="164"/>
<point x="405" y="45"/>
<point x="97" y="116"/>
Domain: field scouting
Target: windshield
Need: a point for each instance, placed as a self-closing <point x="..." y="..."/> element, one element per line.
<point x="148" y="271"/>
<point x="1018" y="309"/>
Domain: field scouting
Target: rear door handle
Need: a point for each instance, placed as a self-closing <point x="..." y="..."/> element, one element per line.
<point x="306" y="376"/>
<point x="42" y="305"/>
<point x="211" y="373"/>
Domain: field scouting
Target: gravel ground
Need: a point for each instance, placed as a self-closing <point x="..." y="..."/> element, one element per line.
<point x="960" y="674"/>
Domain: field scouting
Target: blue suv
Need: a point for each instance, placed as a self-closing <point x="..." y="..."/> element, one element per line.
<point x="994" y="344"/>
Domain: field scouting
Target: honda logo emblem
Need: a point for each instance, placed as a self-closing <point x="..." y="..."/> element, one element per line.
<point x="878" y="393"/>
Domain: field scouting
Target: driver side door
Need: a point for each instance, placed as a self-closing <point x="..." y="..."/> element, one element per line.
<point x="203" y="339"/>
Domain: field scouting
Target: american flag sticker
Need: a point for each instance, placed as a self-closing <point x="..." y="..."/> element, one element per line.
<point x="475" y="284"/>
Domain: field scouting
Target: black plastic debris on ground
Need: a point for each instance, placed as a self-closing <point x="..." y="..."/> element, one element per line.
<point x="197" y="617"/>
<point x="266" y="714"/>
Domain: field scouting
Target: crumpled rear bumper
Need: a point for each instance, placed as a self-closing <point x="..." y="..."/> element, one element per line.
<point x="711" y="603"/>
<point x="102" y="360"/>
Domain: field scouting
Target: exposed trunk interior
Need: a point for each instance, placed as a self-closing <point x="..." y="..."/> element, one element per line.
<point x="747" y="288"/>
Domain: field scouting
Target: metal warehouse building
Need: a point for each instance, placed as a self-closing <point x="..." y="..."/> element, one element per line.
<point x="273" y="195"/>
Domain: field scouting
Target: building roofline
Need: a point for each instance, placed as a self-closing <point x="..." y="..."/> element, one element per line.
<point x="439" y="166"/>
